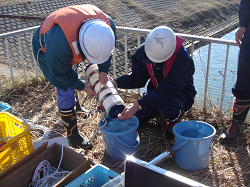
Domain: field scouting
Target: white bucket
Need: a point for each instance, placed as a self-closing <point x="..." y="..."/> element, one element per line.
<point x="108" y="95"/>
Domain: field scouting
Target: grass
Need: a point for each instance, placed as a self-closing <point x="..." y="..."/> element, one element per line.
<point x="129" y="3"/>
<point x="19" y="83"/>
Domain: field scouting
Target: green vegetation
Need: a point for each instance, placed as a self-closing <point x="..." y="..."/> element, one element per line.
<point x="129" y="3"/>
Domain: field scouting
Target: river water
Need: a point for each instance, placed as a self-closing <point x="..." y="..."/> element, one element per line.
<point x="216" y="72"/>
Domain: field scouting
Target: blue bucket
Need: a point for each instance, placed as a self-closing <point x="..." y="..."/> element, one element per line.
<point x="119" y="145"/>
<point x="193" y="144"/>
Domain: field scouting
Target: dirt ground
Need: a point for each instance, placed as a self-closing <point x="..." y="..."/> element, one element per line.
<point x="229" y="163"/>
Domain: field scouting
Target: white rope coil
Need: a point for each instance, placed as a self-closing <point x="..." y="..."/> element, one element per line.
<point x="46" y="175"/>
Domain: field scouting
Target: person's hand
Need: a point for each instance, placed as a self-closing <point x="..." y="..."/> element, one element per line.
<point x="239" y="35"/>
<point x="103" y="77"/>
<point x="112" y="81"/>
<point x="89" y="91"/>
<point x="129" y="111"/>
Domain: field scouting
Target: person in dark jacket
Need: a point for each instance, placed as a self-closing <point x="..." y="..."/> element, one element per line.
<point x="164" y="61"/>
<point x="67" y="37"/>
<point x="241" y="89"/>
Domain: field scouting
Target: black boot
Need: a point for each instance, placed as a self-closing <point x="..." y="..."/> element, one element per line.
<point x="70" y="124"/>
<point x="78" y="106"/>
<point x="240" y="110"/>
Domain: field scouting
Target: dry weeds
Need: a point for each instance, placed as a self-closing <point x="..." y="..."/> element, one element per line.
<point x="229" y="164"/>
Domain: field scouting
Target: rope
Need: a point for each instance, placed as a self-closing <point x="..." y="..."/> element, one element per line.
<point x="46" y="175"/>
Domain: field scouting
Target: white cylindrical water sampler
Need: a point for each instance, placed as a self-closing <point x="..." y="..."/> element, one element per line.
<point x="108" y="95"/>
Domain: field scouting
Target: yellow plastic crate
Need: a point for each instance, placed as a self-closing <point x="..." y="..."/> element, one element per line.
<point x="15" y="140"/>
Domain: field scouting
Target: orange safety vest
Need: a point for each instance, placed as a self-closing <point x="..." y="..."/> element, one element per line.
<point x="69" y="19"/>
<point x="168" y="63"/>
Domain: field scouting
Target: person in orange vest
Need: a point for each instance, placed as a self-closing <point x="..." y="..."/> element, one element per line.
<point x="168" y="66"/>
<point x="67" y="37"/>
<point x="241" y="89"/>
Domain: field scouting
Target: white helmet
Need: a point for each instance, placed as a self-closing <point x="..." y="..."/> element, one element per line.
<point x="97" y="41"/>
<point x="160" y="44"/>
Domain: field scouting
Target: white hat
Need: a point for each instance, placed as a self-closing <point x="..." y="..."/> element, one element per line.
<point x="160" y="44"/>
<point x="97" y="41"/>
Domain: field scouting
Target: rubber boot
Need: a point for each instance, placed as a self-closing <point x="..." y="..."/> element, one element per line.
<point x="168" y="126"/>
<point x="70" y="124"/>
<point x="78" y="106"/>
<point x="240" y="110"/>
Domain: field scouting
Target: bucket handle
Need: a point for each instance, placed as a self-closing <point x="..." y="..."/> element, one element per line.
<point x="175" y="147"/>
<point x="137" y="141"/>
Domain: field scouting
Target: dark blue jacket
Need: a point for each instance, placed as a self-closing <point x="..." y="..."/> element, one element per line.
<point x="179" y="80"/>
<point x="244" y="13"/>
<point x="241" y="89"/>
<point x="244" y="21"/>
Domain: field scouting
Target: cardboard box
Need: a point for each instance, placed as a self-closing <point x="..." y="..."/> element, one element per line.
<point x="21" y="173"/>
